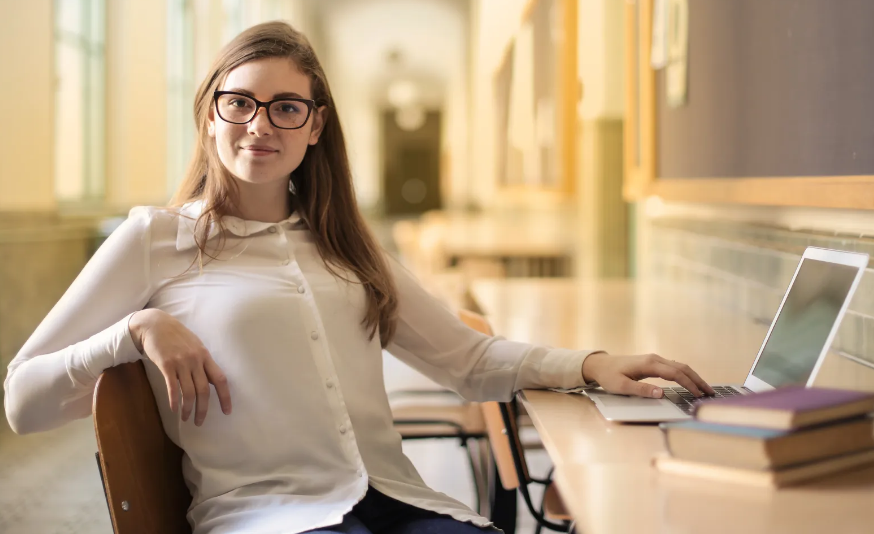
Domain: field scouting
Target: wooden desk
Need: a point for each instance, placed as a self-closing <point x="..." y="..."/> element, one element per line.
<point x="524" y="243"/>
<point x="603" y="470"/>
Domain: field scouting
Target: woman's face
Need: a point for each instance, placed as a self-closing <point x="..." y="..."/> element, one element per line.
<point x="258" y="152"/>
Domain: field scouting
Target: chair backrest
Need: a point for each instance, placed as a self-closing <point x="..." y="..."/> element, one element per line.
<point x="499" y="439"/>
<point x="475" y="321"/>
<point x="141" y="468"/>
<point x="499" y="434"/>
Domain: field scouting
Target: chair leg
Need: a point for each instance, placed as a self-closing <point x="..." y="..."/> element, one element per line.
<point x="539" y="527"/>
<point x="503" y="503"/>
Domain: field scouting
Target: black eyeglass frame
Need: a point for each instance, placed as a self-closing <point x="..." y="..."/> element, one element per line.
<point x="310" y="104"/>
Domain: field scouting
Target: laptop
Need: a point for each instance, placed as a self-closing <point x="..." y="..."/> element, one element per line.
<point x="794" y="348"/>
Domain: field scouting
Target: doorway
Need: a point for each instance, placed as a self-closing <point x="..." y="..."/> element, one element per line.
<point x="411" y="156"/>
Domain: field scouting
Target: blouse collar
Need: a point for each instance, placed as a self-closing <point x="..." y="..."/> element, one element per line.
<point x="188" y="214"/>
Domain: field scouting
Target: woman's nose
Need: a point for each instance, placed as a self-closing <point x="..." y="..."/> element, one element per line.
<point x="260" y="123"/>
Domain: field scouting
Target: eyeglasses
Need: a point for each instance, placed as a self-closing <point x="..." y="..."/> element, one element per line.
<point x="284" y="113"/>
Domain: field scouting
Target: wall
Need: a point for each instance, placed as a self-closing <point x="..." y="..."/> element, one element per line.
<point x="136" y="103"/>
<point x="744" y="258"/>
<point x="604" y="247"/>
<point x="27" y="78"/>
<point x="37" y="264"/>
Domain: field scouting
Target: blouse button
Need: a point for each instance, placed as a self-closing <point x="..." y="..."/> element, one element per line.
<point x="272" y="229"/>
<point x="330" y="384"/>
<point x="301" y="289"/>
<point x="360" y="473"/>
<point x="314" y="336"/>
<point x="284" y="262"/>
<point x="342" y="429"/>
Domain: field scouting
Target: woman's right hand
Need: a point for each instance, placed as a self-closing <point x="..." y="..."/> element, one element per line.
<point x="182" y="359"/>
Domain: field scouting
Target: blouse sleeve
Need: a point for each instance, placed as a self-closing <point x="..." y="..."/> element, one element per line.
<point x="435" y="342"/>
<point x="51" y="380"/>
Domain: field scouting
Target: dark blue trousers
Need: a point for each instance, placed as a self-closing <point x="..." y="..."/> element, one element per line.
<point x="380" y="514"/>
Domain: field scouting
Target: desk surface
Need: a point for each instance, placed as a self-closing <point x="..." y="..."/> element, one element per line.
<point x="524" y="234"/>
<point x="603" y="469"/>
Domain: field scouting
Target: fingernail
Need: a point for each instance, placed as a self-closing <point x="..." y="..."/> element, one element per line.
<point x="656" y="393"/>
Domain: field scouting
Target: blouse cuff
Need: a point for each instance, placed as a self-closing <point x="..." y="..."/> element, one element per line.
<point x="563" y="368"/>
<point x="111" y="347"/>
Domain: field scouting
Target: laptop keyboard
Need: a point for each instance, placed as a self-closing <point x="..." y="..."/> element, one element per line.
<point x="685" y="401"/>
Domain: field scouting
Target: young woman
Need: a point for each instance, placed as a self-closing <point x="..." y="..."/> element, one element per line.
<point x="264" y="284"/>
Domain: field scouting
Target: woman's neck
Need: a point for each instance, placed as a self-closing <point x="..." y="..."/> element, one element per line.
<point x="263" y="202"/>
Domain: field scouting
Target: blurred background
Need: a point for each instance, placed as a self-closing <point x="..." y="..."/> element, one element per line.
<point x="583" y="139"/>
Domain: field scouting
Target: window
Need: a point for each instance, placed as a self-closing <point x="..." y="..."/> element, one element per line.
<point x="79" y="100"/>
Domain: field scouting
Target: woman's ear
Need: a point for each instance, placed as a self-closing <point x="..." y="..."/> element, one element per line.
<point x="320" y="115"/>
<point x="211" y="123"/>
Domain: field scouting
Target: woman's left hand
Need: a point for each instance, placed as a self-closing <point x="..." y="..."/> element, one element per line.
<point x="620" y="374"/>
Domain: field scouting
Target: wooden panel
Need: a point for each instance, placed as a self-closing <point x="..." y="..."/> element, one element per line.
<point x="569" y="93"/>
<point x="640" y="148"/>
<point x="850" y="192"/>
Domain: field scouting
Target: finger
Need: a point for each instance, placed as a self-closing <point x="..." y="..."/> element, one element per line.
<point x="188" y="396"/>
<point x="628" y="386"/>
<point x="688" y="371"/>
<point x="663" y="370"/>
<point x="172" y="389"/>
<point x="220" y="381"/>
<point x="201" y="389"/>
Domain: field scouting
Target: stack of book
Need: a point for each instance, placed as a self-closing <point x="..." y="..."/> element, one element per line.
<point x="776" y="438"/>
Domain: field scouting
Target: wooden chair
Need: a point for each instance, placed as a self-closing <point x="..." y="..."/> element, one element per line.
<point x="503" y="429"/>
<point x="140" y="467"/>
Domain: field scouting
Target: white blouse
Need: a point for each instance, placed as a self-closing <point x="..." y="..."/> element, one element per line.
<point x="311" y="426"/>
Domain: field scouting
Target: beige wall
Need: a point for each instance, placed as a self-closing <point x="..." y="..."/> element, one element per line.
<point x="136" y="102"/>
<point x="600" y="58"/>
<point x="26" y="140"/>
<point x="602" y="211"/>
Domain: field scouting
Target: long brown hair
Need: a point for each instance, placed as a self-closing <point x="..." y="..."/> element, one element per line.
<point x="324" y="196"/>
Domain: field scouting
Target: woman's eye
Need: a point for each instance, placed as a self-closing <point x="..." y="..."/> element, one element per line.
<point x="289" y="108"/>
<point x="239" y="103"/>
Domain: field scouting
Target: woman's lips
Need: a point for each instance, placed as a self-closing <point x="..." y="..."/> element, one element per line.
<point x="259" y="151"/>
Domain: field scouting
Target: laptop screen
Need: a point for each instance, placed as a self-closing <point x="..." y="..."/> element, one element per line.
<point x="805" y="322"/>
